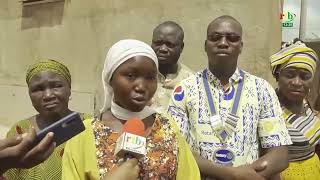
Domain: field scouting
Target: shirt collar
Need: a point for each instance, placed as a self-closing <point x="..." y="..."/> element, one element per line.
<point x="235" y="78"/>
<point x="162" y="78"/>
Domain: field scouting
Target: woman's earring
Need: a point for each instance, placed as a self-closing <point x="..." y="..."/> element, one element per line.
<point x="70" y="98"/>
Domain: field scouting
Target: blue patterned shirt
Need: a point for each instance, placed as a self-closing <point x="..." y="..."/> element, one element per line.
<point x="259" y="121"/>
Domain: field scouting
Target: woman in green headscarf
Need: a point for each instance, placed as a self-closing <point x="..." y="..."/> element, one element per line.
<point x="294" y="67"/>
<point x="49" y="84"/>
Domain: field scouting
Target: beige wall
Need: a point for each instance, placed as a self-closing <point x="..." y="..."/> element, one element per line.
<point x="78" y="32"/>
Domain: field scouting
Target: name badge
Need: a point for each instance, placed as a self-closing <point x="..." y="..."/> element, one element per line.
<point x="224" y="157"/>
<point x="216" y="122"/>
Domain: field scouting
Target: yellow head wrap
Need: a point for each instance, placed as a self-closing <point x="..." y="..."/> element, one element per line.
<point x="296" y="55"/>
<point x="49" y="65"/>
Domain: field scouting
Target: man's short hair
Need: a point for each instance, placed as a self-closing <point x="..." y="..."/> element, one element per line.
<point x="223" y="18"/>
<point x="173" y="25"/>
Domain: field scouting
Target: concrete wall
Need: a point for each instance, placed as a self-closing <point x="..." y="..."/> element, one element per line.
<point x="79" y="32"/>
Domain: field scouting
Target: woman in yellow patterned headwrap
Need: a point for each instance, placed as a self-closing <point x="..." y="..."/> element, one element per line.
<point x="49" y="84"/>
<point x="294" y="67"/>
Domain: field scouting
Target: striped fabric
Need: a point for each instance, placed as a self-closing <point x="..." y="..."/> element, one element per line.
<point x="297" y="55"/>
<point x="304" y="132"/>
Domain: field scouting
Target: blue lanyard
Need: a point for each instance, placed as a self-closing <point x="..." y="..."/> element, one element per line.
<point x="209" y="94"/>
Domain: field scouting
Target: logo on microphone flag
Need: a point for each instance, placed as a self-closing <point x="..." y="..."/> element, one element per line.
<point x="134" y="141"/>
<point x="178" y="94"/>
<point x="131" y="143"/>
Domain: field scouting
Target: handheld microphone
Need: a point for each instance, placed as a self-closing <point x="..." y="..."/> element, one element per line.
<point x="131" y="143"/>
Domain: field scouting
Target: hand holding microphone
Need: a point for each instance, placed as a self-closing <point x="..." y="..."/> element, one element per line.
<point x="131" y="143"/>
<point x="129" y="170"/>
<point x="130" y="146"/>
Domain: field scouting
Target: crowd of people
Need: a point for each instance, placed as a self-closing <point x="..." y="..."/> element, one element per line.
<point x="219" y="123"/>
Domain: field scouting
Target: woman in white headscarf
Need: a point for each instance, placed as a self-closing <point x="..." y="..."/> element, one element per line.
<point x="130" y="80"/>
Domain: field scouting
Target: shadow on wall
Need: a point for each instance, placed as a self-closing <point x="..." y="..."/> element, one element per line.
<point x="42" y="13"/>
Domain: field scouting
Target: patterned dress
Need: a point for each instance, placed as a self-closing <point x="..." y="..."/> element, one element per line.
<point x="90" y="155"/>
<point x="49" y="169"/>
<point x="305" y="135"/>
<point x="162" y="150"/>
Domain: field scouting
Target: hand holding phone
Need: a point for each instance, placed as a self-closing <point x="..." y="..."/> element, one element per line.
<point x="20" y="152"/>
<point x="64" y="129"/>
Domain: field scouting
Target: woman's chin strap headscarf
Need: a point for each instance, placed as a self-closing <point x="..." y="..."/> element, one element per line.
<point x="49" y="65"/>
<point x="296" y="55"/>
<point x="119" y="53"/>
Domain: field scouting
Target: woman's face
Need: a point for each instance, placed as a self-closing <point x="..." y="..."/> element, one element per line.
<point x="49" y="93"/>
<point x="294" y="83"/>
<point x="134" y="83"/>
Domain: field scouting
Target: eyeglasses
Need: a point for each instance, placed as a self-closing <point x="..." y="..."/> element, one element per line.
<point x="229" y="37"/>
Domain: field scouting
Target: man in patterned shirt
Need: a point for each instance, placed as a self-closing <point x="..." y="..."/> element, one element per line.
<point x="167" y="42"/>
<point x="231" y="119"/>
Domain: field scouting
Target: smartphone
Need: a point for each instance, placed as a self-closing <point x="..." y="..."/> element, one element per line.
<point x="64" y="129"/>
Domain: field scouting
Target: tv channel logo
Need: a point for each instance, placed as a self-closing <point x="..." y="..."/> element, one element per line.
<point x="287" y="18"/>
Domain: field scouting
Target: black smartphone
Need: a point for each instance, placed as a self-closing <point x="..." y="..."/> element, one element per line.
<point x="64" y="129"/>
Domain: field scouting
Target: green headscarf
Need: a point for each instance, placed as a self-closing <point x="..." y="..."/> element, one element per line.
<point x="49" y="65"/>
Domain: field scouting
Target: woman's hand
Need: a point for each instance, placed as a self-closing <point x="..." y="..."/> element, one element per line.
<point x="129" y="170"/>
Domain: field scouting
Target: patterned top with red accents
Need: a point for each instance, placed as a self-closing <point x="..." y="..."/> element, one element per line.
<point x="161" y="161"/>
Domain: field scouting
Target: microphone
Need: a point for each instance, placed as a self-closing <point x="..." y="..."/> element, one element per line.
<point x="131" y="143"/>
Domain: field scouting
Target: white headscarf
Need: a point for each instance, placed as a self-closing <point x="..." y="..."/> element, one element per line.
<point x="119" y="53"/>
